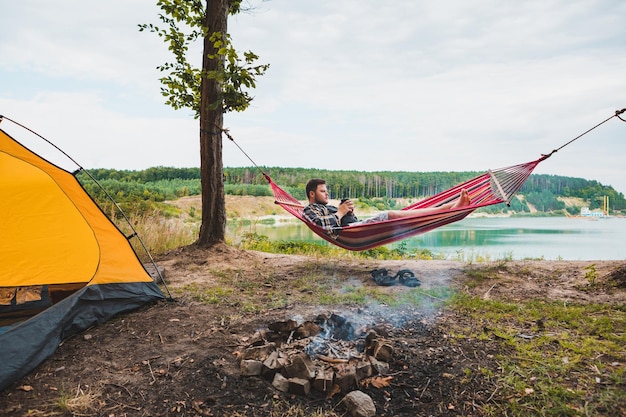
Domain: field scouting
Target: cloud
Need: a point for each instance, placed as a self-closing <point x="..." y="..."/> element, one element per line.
<point x="356" y="85"/>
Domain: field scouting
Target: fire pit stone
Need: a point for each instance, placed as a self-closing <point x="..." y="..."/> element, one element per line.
<point x="250" y="367"/>
<point x="324" y="379"/>
<point x="258" y="353"/>
<point x="301" y="366"/>
<point x="299" y="386"/>
<point x="283" y="326"/>
<point x="280" y="383"/>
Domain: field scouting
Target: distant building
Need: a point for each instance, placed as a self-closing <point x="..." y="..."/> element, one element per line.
<point x="585" y="212"/>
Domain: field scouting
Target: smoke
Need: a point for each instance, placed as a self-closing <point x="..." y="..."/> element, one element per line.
<point x="363" y="308"/>
<point x="397" y="304"/>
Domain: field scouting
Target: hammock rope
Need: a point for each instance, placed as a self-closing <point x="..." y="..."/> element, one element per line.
<point x="493" y="187"/>
<point x="617" y="114"/>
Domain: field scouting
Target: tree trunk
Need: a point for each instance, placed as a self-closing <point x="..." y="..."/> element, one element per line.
<point x="213" y="228"/>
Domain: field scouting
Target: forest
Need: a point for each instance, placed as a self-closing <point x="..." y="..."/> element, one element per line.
<point x="141" y="188"/>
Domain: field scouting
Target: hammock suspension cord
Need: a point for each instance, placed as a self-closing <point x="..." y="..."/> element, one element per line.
<point x="617" y="114"/>
<point x="230" y="137"/>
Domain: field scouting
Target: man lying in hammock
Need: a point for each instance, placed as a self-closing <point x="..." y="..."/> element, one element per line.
<point x="330" y="217"/>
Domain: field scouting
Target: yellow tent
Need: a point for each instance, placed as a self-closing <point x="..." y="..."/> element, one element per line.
<point x="64" y="266"/>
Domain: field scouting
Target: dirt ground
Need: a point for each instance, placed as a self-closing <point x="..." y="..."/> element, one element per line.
<point x="177" y="358"/>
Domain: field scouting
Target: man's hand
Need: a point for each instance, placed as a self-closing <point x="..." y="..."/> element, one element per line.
<point x="345" y="208"/>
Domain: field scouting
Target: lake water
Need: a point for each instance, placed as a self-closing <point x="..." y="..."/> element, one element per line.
<point x="549" y="238"/>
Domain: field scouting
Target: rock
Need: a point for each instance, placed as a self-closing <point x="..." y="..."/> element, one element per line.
<point x="280" y="383"/>
<point x="300" y="367"/>
<point x="307" y="329"/>
<point x="259" y="353"/>
<point x="381" y="350"/>
<point x="345" y="377"/>
<point x="380" y="367"/>
<point x="250" y="367"/>
<point x="283" y="326"/>
<point x="363" y="370"/>
<point x="271" y="365"/>
<point x="359" y="404"/>
<point x="299" y="386"/>
<point x="323" y="380"/>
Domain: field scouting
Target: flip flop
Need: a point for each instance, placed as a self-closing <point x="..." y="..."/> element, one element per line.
<point x="382" y="277"/>
<point x="407" y="278"/>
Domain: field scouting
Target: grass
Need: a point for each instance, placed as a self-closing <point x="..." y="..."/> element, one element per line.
<point x="159" y="234"/>
<point x="80" y="403"/>
<point x="557" y="359"/>
<point x="313" y="283"/>
<point x="253" y="241"/>
<point x="162" y="234"/>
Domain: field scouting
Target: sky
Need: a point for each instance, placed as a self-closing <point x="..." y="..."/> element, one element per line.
<point x="362" y="85"/>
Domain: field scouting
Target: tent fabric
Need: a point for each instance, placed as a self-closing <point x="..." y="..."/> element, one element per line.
<point x="56" y="242"/>
<point x="25" y="345"/>
<point x="492" y="187"/>
<point x="46" y="214"/>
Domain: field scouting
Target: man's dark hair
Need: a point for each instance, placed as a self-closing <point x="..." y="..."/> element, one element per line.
<point x="312" y="185"/>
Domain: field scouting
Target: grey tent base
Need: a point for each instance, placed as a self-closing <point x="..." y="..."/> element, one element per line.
<point x="25" y="345"/>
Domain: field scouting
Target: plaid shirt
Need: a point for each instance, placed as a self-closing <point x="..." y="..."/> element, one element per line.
<point x="325" y="217"/>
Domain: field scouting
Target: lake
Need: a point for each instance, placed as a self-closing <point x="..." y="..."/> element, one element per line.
<point x="549" y="238"/>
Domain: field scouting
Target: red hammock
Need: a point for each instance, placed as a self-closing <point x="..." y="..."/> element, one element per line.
<point x="492" y="187"/>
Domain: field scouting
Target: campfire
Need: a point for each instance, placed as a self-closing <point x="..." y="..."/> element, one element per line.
<point x="328" y="354"/>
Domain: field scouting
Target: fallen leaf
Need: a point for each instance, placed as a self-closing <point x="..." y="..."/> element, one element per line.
<point x="529" y="391"/>
<point x="377" y="381"/>
<point x="26" y="388"/>
<point x="196" y="406"/>
<point x="381" y="382"/>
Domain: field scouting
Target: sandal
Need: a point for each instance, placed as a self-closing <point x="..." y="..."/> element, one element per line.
<point x="382" y="277"/>
<point x="407" y="277"/>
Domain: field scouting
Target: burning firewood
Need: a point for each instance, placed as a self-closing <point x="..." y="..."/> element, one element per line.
<point x="332" y="360"/>
<point x="326" y="354"/>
